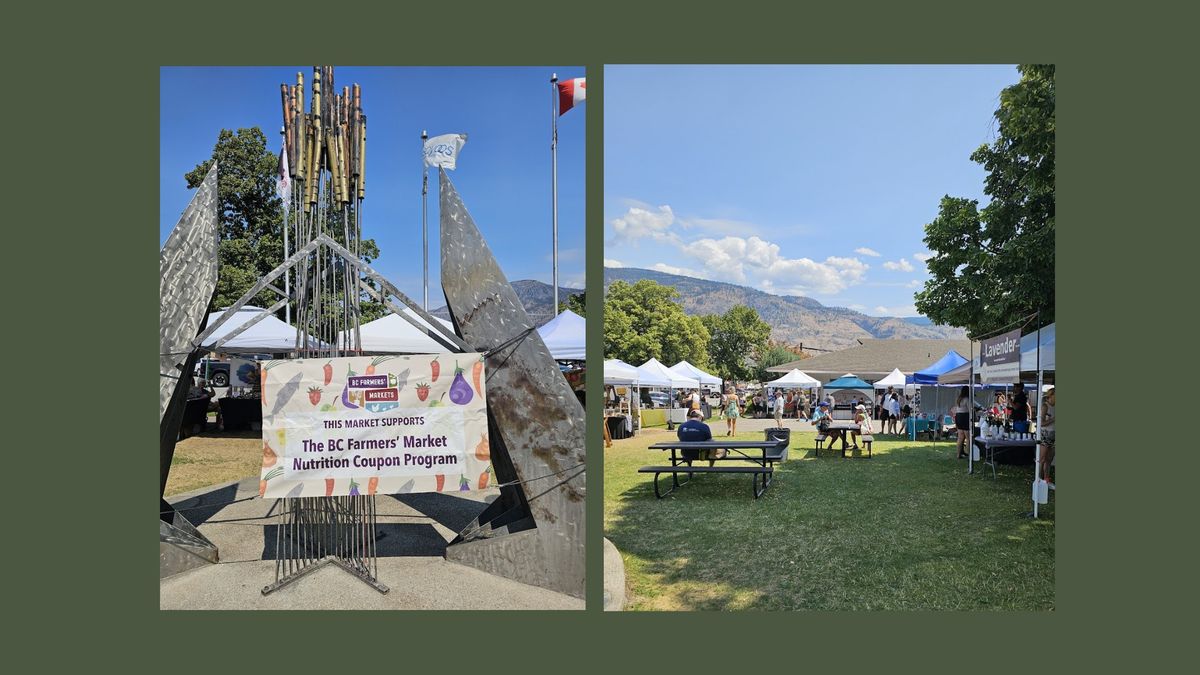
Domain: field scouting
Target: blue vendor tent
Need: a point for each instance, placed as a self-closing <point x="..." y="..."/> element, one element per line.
<point x="929" y="374"/>
<point x="848" y="382"/>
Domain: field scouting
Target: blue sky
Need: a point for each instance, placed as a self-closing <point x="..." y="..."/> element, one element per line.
<point x="796" y="180"/>
<point x="503" y="174"/>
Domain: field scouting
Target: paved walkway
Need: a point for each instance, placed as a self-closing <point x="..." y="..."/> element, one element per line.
<point x="414" y="530"/>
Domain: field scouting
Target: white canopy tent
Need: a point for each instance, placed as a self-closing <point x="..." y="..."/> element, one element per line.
<point x="653" y="373"/>
<point x="392" y="334"/>
<point x="796" y="379"/>
<point x="269" y="335"/>
<point x="689" y="371"/>
<point x="617" y="371"/>
<point x="893" y="379"/>
<point x="564" y="336"/>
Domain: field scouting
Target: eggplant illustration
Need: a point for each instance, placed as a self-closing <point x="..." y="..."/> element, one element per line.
<point x="346" y="397"/>
<point x="353" y="488"/>
<point x="464" y="485"/>
<point x="460" y="392"/>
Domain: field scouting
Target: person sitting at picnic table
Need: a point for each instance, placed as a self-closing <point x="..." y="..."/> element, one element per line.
<point x="1046" y="424"/>
<point x="863" y="419"/>
<point x="822" y="419"/>
<point x="694" y="430"/>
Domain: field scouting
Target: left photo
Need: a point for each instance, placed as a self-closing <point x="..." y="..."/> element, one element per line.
<point x="371" y="326"/>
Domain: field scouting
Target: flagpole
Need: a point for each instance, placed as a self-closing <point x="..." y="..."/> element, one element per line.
<point x="424" y="223"/>
<point x="554" y="184"/>
<point x="287" y="277"/>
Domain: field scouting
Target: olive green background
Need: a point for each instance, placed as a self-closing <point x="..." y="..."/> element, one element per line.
<point x="81" y="112"/>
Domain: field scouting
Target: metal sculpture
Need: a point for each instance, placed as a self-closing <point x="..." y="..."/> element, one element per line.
<point x="187" y="271"/>
<point x="537" y="540"/>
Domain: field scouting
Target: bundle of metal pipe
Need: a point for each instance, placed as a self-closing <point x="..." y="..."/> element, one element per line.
<point x="326" y="146"/>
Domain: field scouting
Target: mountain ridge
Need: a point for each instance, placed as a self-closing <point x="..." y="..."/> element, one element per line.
<point x="795" y="320"/>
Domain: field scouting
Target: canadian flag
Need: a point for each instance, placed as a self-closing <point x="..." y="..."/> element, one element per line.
<point x="571" y="93"/>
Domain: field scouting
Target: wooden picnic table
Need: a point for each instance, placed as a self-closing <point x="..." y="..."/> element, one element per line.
<point x="763" y="454"/>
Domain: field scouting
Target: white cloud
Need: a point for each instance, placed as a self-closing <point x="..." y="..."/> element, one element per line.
<point x="915" y="283"/>
<point x="867" y="251"/>
<point x="681" y="271"/>
<point x="719" y="226"/>
<point x="639" y="222"/>
<point x="922" y="256"/>
<point x="901" y="265"/>
<point x="575" y="281"/>
<point x="896" y="311"/>
<point x="609" y="262"/>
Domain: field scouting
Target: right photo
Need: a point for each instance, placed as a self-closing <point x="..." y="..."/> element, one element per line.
<point x="829" y="337"/>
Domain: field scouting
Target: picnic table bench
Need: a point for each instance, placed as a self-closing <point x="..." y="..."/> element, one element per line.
<point x="768" y="452"/>
<point x="843" y="427"/>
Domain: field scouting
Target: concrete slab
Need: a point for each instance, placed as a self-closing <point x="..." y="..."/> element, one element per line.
<point x="614" y="578"/>
<point x="413" y="533"/>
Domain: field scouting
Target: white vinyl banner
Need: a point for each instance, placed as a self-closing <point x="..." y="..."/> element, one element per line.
<point x="443" y="150"/>
<point x="362" y="425"/>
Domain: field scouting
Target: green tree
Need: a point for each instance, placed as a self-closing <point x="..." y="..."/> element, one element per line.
<point x="251" y="220"/>
<point x="644" y="321"/>
<point x="773" y="355"/>
<point x="993" y="265"/>
<point x="575" y="303"/>
<point x="738" y="336"/>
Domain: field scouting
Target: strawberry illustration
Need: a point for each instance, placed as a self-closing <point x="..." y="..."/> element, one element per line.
<point x="435" y="368"/>
<point x="422" y="391"/>
<point x="314" y="395"/>
<point x="328" y="373"/>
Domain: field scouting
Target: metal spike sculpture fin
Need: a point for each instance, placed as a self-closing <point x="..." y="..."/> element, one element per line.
<point x="537" y="540"/>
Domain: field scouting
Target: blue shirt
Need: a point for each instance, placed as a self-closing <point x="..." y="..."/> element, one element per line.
<point x="694" y="430"/>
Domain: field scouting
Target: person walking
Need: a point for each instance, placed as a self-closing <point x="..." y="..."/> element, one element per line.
<point x="778" y="411"/>
<point x="802" y="407"/>
<point x="893" y="405"/>
<point x="731" y="409"/>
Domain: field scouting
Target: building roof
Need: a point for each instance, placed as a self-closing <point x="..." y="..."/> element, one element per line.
<point x="875" y="359"/>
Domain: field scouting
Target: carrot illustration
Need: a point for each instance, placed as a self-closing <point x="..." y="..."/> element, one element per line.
<point x="269" y="456"/>
<point x="262" y="484"/>
<point x="434" y="369"/>
<point x="372" y="485"/>
<point x="483" y="477"/>
<point x="376" y="361"/>
<point x="476" y="371"/>
<point x="441" y="481"/>
<point x="328" y="487"/>
<point x="328" y="372"/>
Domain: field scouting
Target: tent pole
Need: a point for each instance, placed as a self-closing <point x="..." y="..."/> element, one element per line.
<point x="1037" y="446"/>
<point x="971" y="408"/>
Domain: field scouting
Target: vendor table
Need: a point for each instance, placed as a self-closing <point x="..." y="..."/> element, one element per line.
<point x="195" y="416"/>
<point x="241" y="413"/>
<point x="989" y="448"/>
<point x="614" y="428"/>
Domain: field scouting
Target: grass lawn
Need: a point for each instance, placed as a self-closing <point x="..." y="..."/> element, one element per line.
<point x="214" y="458"/>
<point x="905" y="530"/>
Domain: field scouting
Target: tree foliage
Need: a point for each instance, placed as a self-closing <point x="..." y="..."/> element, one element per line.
<point x="576" y="303"/>
<point x="738" y="336"/>
<point x="644" y="321"/>
<point x="993" y="265"/>
<point x="774" y="355"/>
<point x="251" y="220"/>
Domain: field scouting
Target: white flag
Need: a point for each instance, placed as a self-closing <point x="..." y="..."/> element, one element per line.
<point x="283" y="184"/>
<point x="443" y="150"/>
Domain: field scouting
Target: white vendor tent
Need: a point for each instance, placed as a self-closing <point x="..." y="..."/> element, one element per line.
<point x="392" y="334"/>
<point x="653" y="373"/>
<point x="692" y="372"/>
<point x="795" y="379"/>
<point x="894" y="379"/>
<point x="617" y="371"/>
<point x="564" y="336"/>
<point x="269" y="335"/>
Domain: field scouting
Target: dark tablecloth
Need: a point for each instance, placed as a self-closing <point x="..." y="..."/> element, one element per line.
<point x="240" y="413"/>
<point x="616" y="428"/>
